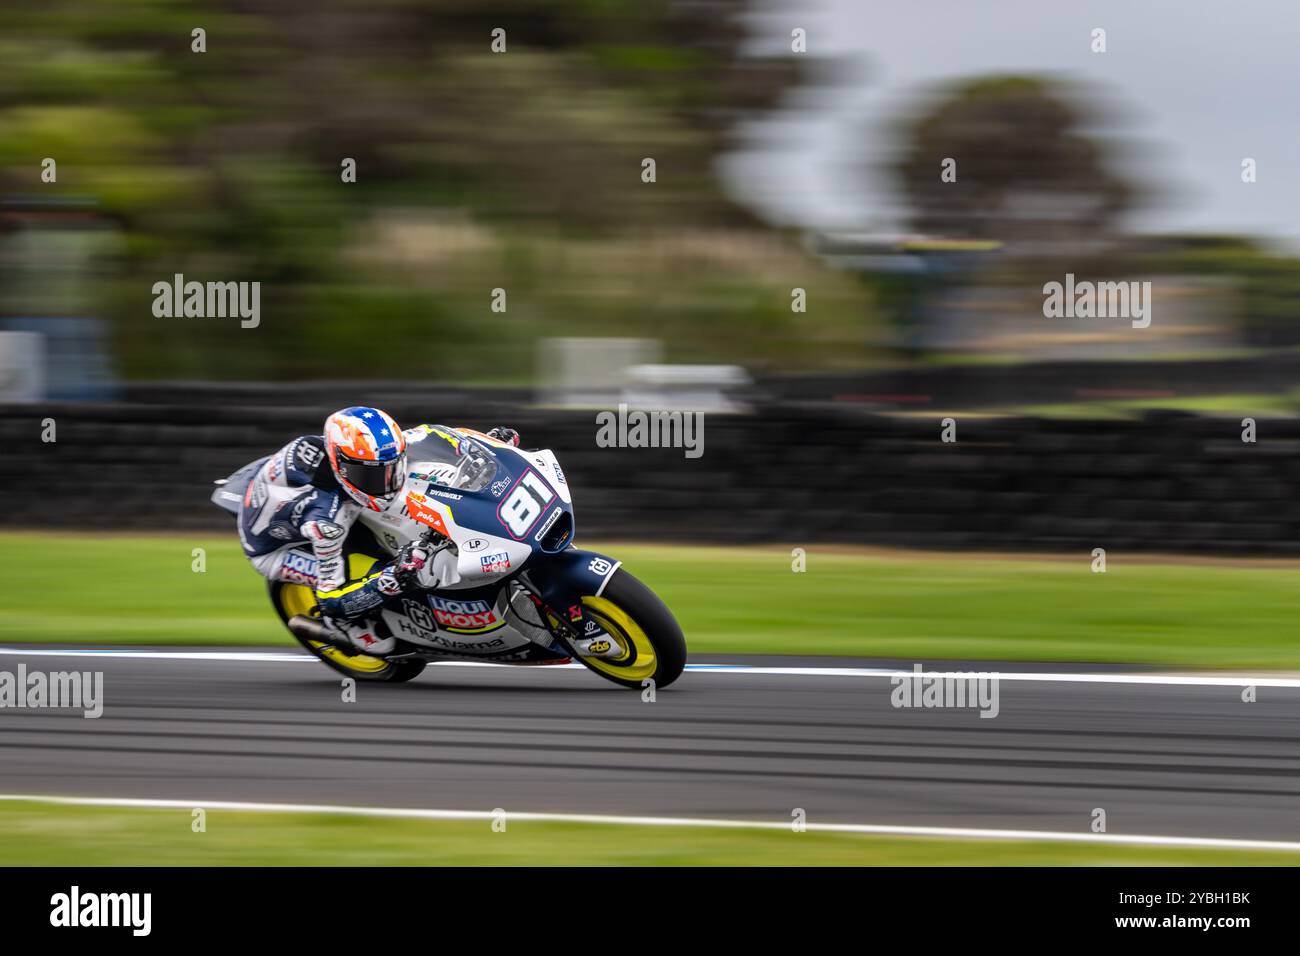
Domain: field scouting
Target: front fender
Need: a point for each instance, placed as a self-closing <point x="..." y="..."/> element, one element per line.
<point x="563" y="580"/>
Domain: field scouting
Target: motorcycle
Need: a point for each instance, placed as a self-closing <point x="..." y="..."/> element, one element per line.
<point x="509" y="585"/>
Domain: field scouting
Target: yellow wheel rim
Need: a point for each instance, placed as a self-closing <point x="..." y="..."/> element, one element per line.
<point x="298" y="599"/>
<point x="637" y="660"/>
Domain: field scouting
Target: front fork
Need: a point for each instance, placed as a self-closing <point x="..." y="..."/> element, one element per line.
<point x="576" y="632"/>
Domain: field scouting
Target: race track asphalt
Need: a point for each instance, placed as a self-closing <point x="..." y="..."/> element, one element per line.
<point x="1172" y="760"/>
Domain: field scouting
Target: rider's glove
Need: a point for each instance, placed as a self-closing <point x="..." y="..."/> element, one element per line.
<point x="503" y="434"/>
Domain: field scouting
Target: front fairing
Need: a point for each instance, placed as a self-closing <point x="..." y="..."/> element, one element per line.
<point x="500" y="513"/>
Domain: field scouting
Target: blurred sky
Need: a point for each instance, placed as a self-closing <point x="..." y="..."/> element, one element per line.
<point x="1195" y="85"/>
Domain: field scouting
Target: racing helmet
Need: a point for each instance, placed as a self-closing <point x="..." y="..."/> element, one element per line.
<point x="367" y="452"/>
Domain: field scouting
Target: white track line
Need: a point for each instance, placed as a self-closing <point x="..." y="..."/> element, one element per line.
<point x="273" y="657"/>
<point x="265" y="657"/>
<point x="411" y="813"/>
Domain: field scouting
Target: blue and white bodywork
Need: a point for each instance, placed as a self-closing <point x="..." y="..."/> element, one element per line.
<point x="509" y="515"/>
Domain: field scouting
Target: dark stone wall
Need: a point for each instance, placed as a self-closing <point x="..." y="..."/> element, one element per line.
<point x="789" y="473"/>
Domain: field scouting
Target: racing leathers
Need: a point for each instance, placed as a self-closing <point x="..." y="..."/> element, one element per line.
<point x="294" y="524"/>
<point x="295" y="517"/>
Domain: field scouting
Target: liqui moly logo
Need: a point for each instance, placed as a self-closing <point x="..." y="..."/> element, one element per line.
<point x="463" y="615"/>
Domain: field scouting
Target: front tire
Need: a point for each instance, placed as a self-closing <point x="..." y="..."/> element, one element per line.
<point x="653" y="647"/>
<point x="292" y="599"/>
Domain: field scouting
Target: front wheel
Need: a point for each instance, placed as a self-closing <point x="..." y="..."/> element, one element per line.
<point x="651" y="645"/>
<point x="294" y="599"/>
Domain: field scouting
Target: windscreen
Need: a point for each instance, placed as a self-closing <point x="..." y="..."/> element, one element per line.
<point x="452" y="460"/>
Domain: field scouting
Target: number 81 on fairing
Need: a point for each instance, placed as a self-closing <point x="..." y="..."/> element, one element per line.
<point x="525" y="504"/>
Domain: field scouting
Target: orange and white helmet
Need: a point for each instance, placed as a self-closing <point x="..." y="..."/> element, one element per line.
<point x="367" y="452"/>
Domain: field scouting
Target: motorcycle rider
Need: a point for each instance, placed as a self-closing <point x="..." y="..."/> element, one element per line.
<point x="297" y="514"/>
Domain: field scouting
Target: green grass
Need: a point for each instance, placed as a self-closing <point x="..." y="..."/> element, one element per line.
<point x="120" y="589"/>
<point x="33" y="834"/>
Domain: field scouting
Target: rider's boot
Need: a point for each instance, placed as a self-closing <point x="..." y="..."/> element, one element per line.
<point x="348" y="612"/>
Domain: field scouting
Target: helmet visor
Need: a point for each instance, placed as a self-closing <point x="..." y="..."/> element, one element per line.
<point x="379" y="479"/>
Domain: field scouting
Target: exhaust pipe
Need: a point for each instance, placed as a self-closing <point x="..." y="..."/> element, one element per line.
<point x="311" y="629"/>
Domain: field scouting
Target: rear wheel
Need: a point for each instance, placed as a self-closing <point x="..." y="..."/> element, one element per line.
<point x="294" y="599"/>
<point x="651" y="645"/>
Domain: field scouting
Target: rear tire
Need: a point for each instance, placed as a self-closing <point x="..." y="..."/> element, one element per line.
<point x="290" y="599"/>
<point x="653" y="644"/>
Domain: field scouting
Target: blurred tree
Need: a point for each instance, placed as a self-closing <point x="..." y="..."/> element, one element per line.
<point x="1025" y="170"/>
<point x="1268" y="282"/>
<point x="226" y="164"/>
